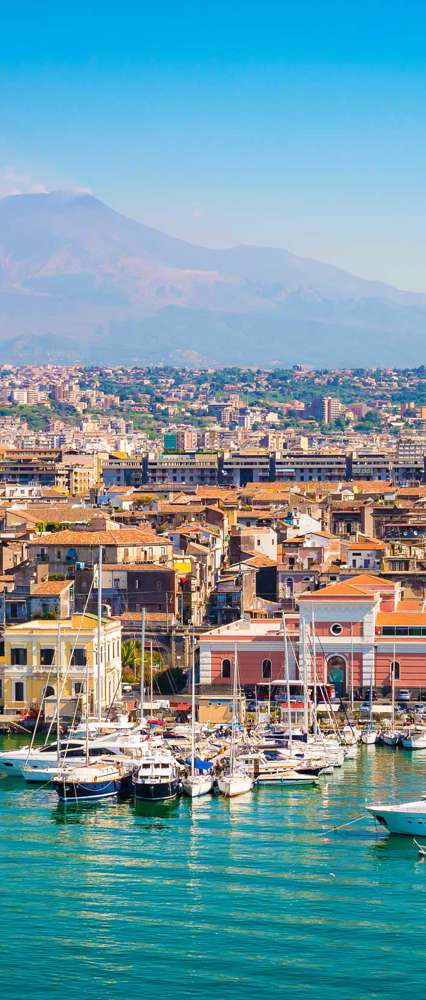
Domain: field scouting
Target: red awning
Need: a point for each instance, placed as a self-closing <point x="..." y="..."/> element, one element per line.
<point x="183" y="706"/>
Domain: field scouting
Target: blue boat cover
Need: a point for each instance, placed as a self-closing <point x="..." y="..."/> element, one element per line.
<point x="200" y="765"/>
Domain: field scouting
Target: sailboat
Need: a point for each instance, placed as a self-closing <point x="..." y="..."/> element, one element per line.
<point x="292" y="777"/>
<point x="390" y="737"/>
<point x="368" y="737"/>
<point x="195" y="784"/>
<point x="235" y="781"/>
<point x="91" y="781"/>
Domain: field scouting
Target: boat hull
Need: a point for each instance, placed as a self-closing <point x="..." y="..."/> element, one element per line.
<point x="289" y="781"/>
<point x="195" y="787"/>
<point x="410" y="743"/>
<point x="407" y="821"/>
<point x="150" y="791"/>
<point x="75" y="791"/>
<point x="390" y="740"/>
<point x="231" y="785"/>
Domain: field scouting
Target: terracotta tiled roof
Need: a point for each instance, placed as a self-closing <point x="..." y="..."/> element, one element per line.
<point x="368" y="546"/>
<point x="50" y="588"/>
<point x="344" y="590"/>
<point x="401" y="618"/>
<point x="260" y="561"/>
<point x="122" y="536"/>
<point x="373" y="581"/>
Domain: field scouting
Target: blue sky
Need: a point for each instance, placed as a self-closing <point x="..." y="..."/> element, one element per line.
<point x="300" y="125"/>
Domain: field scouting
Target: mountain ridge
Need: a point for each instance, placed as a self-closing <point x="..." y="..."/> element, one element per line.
<point x="74" y="269"/>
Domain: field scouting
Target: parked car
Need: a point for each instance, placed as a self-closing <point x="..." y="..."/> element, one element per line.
<point x="403" y="694"/>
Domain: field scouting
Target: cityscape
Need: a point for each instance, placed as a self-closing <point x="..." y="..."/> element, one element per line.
<point x="212" y="500"/>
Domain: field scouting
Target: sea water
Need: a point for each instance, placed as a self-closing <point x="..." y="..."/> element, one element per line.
<point x="245" y="898"/>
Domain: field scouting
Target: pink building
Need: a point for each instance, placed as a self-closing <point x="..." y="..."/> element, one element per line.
<point x="357" y="629"/>
<point x="354" y="631"/>
<point x="260" y="650"/>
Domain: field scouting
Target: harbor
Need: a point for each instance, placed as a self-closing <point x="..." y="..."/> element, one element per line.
<point x="269" y="884"/>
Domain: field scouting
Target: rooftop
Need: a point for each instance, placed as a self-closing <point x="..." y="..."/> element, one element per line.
<point x="50" y="588"/>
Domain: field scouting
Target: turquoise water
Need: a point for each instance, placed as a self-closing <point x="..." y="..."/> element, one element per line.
<point x="214" y="898"/>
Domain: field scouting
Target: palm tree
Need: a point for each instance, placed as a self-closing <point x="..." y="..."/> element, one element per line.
<point x="129" y="656"/>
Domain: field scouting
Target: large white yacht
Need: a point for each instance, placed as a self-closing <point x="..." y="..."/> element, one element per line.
<point x="405" y="817"/>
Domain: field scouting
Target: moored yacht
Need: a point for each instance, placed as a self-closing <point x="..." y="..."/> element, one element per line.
<point x="200" y="780"/>
<point x="369" y="736"/>
<point x="156" y="778"/>
<point x="405" y="817"/>
<point x="390" y="739"/>
<point x="414" y="739"/>
<point x="234" y="782"/>
<point x="195" y="785"/>
<point x="92" y="782"/>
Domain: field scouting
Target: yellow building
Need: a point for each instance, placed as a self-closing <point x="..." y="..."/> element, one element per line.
<point x="29" y="672"/>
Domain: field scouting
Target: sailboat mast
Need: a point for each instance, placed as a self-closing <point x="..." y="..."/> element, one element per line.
<point x="142" y="696"/>
<point x="234" y="712"/>
<point x="87" y="709"/>
<point x="287" y="678"/>
<point x="58" y="701"/>
<point x="99" y="680"/>
<point x="315" y="674"/>
<point x="152" y="676"/>
<point x="371" y="697"/>
<point x="193" y="707"/>
<point x="305" y="676"/>
<point x="393" y="687"/>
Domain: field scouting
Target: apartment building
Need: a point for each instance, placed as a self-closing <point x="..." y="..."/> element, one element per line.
<point x="40" y="653"/>
<point x="195" y="468"/>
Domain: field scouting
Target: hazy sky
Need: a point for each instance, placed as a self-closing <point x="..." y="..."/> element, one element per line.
<point x="300" y="124"/>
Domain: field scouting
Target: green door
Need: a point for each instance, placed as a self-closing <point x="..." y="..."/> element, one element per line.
<point x="336" y="674"/>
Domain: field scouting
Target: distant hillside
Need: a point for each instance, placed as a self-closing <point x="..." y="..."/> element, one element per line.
<point x="78" y="281"/>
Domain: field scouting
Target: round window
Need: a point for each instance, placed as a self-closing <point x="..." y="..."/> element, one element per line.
<point x="336" y="629"/>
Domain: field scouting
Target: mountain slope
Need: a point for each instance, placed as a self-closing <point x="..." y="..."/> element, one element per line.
<point x="79" y="280"/>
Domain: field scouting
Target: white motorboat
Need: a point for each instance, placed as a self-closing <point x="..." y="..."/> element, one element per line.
<point x="13" y="762"/>
<point x="33" y="764"/>
<point x="414" y="740"/>
<point x="156" y="778"/>
<point x="286" y="778"/>
<point x="407" y="818"/>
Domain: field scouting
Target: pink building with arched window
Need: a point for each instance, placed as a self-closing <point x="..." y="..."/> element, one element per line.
<point x="348" y="634"/>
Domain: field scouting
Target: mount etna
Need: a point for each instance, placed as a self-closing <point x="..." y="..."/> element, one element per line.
<point x="80" y="282"/>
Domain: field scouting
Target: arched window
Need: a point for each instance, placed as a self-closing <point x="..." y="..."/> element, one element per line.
<point x="266" y="670"/>
<point x="395" y="669"/>
<point x="226" y="668"/>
